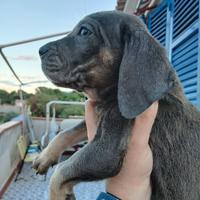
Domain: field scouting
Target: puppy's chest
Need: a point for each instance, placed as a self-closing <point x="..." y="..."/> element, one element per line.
<point x="111" y="121"/>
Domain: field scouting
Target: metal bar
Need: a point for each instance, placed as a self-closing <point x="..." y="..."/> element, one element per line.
<point x="138" y="4"/>
<point x="33" y="82"/>
<point x="32" y="40"/>
<point x="24" y="42"/>
<point x="45" y="137"/>
<point x="9" y="65"/>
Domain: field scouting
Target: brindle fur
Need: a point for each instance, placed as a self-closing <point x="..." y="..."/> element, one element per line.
<point x="126" y="70"/>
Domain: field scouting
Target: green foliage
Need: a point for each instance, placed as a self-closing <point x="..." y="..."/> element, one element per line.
<point x="70" y="110"/>
<point x="5" y="117"/>
<point x="43" y="95"/>
<point x="10" y="98"/>
<point x="4" y="97"/>
<point x="25" y="95"/>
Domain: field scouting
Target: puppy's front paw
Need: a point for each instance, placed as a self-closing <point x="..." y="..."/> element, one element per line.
<point x="60" y="190"/>
<point x="42" y="163"/>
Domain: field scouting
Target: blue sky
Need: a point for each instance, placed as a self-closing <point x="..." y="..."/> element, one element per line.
<point x="24" y="19"/>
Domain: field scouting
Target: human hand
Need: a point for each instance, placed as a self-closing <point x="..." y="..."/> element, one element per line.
<point x="133" y="181"/>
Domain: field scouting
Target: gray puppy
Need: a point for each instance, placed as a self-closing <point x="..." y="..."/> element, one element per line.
<point x="115" y="61"/>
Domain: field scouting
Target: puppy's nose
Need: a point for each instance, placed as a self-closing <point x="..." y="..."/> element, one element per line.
<point x="44" y="49"/>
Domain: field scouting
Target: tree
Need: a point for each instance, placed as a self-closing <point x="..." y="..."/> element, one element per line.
<point x="4" y="96"/>
<point x="10" y="98"/>
<point x="43" y="95"/>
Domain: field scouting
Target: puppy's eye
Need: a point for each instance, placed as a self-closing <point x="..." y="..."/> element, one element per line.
<point x="84" y="31"/>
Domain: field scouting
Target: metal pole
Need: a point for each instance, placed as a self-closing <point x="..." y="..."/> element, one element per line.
<point x="45" y="137"/>
<point x="34" y="82"/>
<point x="9" y="65"/>
<point x="33" y="40"/>
<point x="24" y="42"/>
<point x="23" y="110"/>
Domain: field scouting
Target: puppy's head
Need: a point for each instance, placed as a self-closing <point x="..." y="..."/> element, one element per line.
<point x="86" y="58"/>
<point x="110" y="50"/>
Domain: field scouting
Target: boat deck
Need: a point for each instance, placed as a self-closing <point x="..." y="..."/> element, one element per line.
<point x="30" y="186"/>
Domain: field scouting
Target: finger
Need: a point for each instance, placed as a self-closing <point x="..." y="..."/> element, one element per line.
<point x="143" y="125"/>
<point x="90" y="118"/>
<point x="149" y="114"/>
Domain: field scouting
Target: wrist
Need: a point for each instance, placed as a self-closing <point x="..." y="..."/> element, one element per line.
<point x="137" y="191"/>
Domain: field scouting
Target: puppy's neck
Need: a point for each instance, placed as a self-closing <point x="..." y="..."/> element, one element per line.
<point x="102" y="95"/>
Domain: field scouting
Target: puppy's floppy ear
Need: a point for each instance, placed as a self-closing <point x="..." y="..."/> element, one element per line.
<point x="145" y="74"/>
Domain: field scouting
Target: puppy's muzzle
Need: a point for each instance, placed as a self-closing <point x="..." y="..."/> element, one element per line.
<point x="51" y="62"/>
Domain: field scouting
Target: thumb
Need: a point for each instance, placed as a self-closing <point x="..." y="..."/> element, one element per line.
<point x="90" y="118"/>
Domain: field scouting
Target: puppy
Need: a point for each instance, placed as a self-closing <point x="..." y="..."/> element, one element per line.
<point x="113" y="59"/>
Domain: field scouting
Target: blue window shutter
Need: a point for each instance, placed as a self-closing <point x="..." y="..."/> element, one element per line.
<point x="185" y="62"/>
<point x="157" y="23"/>
<point x="185" y="51"/>
<point x="186" y="13"/>
<point x="177" y="28"/>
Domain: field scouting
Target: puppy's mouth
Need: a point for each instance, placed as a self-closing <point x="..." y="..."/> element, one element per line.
<point x="51" y="63"/>
<point x="60" y="77"/>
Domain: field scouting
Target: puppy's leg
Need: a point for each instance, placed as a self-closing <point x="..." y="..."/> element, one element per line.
<point x="63" y="140"/>
<point x="102" y="158"/>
